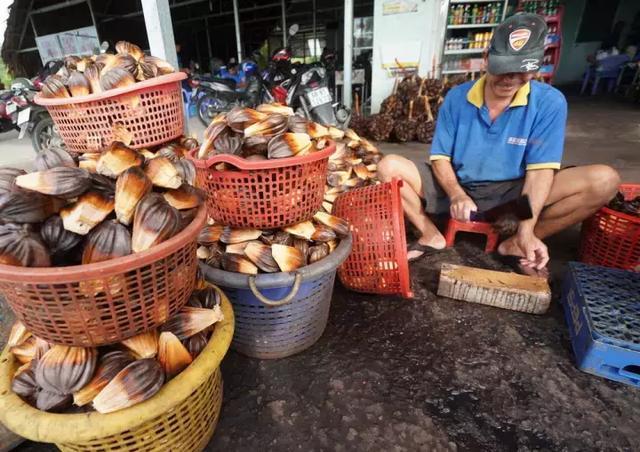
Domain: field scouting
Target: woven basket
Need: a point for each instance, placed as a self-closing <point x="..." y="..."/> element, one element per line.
<point x="86" y="123"/>
<point x="280" y="314"/>
<point x="106" y="302"/>
<point x="180" y="417"/>
<point x="267" y="194"/>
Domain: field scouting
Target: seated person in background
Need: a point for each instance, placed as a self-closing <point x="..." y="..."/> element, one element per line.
<point x="234" y="72"/>
<point x="497" y="138"/>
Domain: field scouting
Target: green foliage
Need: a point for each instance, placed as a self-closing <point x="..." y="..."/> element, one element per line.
<point x="5" y="76"/>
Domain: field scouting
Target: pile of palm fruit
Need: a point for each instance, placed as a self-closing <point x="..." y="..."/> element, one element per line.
<point x="60" y="378"/>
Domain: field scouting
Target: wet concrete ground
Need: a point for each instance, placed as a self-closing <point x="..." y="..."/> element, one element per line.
<point x="437" y="374"/>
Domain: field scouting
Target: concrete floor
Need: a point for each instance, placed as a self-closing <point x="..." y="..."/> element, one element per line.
<point x="436" y="374"/>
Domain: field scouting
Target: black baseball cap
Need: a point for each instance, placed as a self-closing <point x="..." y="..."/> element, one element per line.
<point x="517" y="44"/>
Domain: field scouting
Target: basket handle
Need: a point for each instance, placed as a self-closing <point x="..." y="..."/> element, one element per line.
<point x="630" y="372"/>
<point x="275" y="303"/>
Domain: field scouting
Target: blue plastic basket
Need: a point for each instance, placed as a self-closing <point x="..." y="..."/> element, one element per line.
<point x="602" y="309"/>
<point x="280" y="314"/>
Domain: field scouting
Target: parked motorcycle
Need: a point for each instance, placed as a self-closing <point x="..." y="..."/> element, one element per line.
<point x="214" y="95"/>
<point x="310" y="94"/>
<point x="19" y="112"/>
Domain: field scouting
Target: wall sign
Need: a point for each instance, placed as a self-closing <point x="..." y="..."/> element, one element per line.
<point x="391" y="7"/>
<point x="82" y="41"/>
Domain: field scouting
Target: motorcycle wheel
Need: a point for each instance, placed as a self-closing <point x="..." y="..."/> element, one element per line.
<point x="208" y="108"/>
<point x="45" y="135"/>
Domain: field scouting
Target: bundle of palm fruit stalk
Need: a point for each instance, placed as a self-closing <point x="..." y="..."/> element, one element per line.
<point x="81" y="76"/>
<point x="60" y="378"/>
<point x="271" y="131"/>
<point x="425" y="123"/>
<point x="98" y="207"/>
<point x="358" y="122"/>
<point x="251" y="251"/>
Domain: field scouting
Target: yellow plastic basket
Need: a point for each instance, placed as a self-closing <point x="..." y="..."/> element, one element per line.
<point x="180" y="417"/>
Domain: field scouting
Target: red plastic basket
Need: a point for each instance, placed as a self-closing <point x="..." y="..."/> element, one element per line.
<point x="264" y="194"/>
<point x="86" y="123"/>
<point x="106" y="302"/>
<point x="378" y="260"/>
<point x="611" y="238"/>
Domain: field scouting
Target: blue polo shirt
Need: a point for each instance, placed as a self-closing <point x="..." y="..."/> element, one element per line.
<point x="528" y="135"/>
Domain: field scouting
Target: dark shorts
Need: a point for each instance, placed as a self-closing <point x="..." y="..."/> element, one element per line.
<point x="486" y="195"/>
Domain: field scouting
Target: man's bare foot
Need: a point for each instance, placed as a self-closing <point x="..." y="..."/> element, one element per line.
<point x="436" y="242"/>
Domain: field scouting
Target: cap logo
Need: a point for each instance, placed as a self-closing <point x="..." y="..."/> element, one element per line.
<point x="518" y="38"/>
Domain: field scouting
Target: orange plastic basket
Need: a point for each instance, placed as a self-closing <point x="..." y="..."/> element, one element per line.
<point x="265" y="194"/>
<point x="86" y="123"/>
<point x="107" y="302"/>
<point x="611" y="238"/>
<point x="378" y="261"/>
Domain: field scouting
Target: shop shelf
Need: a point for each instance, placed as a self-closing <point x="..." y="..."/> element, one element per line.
<point x="454" y="27"/>
<point x="463" y="51"/>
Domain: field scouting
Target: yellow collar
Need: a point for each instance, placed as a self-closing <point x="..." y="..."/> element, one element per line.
<point x="476" y="94"/>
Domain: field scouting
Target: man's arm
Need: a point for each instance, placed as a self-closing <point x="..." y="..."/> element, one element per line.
<point x="461" y="204"/>
<point x="537" y="185"/>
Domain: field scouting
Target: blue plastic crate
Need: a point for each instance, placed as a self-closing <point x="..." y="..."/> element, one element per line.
<point x="602" y="309"/>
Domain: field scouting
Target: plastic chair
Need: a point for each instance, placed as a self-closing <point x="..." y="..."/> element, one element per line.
<point x="607" y="69"/>
<point x="478" y="227"/>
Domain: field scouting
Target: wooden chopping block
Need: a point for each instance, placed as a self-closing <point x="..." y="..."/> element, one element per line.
<point x="502" y="290"/>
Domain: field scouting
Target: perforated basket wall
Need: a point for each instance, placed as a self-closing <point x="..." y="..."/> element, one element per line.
<point x="611" y="238"/>
<point x="103" y="303"/>
<point x="602" y="309"/>
<point x="269" y="333"/>
<point x="378" y="261"/>
<point x="265" y="195"/>
<point x="182" y="416"/>
<point x="151" y="110"/>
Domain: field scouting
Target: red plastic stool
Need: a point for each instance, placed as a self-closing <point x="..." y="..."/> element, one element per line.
<point x="479" y="227"/>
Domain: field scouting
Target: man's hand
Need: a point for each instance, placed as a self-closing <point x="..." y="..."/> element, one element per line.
<point x="534" y="251"/>
<point x="461" y="207"/>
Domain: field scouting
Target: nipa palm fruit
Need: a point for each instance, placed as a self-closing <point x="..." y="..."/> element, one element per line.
<point x="63" y="181"/>
<point x="187" y="171"/>
<point x="261" y="256"/>
<point x="26" y="351"/>
<point x="103" y="184"/>
<point x="144" y="345"/>
<point x="196" y="343"/>
<point x="18" y="334"/>
<point x="172" y="355"/>
<point x="318" y="252"/>
<point x="340" y="226"/>
<point x="64" y="370"/>
<point x="8" y="179"/>
<point x="323" y="234"/>
<point x="215" y="128"/>
<point x="53" y="87"/>
<point x="127" y="48"/>
<point x="109" y="366"/>
<point x="316" y="130"/>
<point x="275" y="108"/>
<point x="237" y="263"/>
<point x="24" y="382"/>
<point x="210" y="234"/>
<point x="185" y="197"/>
<point x="154" y="222"/>
<point x="27" y="207"/>
<point x="304" y="229"/>
<point x="302" y="245"/>
<point x="116" y="159"/>
<point x="230" y="235"/>
<point x="271" y="126"/>
<point x="163" y="173"/>
<point x="137" y="382"/>
<point x="190" y="321"/>
<point x="89" y="210"/>
<point x="52" y="401"/>
<point x="131" y="186"/>
<point x="89" y="161"/>
<point x="92" y="73"/>
<point x="209" y="298"/>
<point x="288" y="144"/>
<point x="238" y="119"/>
<point x="288" y="258"/>
<point x="52" y="157"/>
<point x="162" y="66"/>
<point x="56" y="237"/>
<point x="116" y="77"/>
<point x="78" y="84"/>
<point x="108" y="240"/>
<point x="297" y="124"/>
<point x="20" y="246"/>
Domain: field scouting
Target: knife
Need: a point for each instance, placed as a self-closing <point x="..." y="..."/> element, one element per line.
<point x="520" y="208"/>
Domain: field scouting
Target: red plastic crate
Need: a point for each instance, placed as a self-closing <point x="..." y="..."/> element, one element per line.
<point x="611" y="238"/>
<point x="378" y="260"/>
<point x="266" y="194"/>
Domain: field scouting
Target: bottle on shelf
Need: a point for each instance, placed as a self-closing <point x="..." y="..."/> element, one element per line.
<point x="466" y="15"/>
